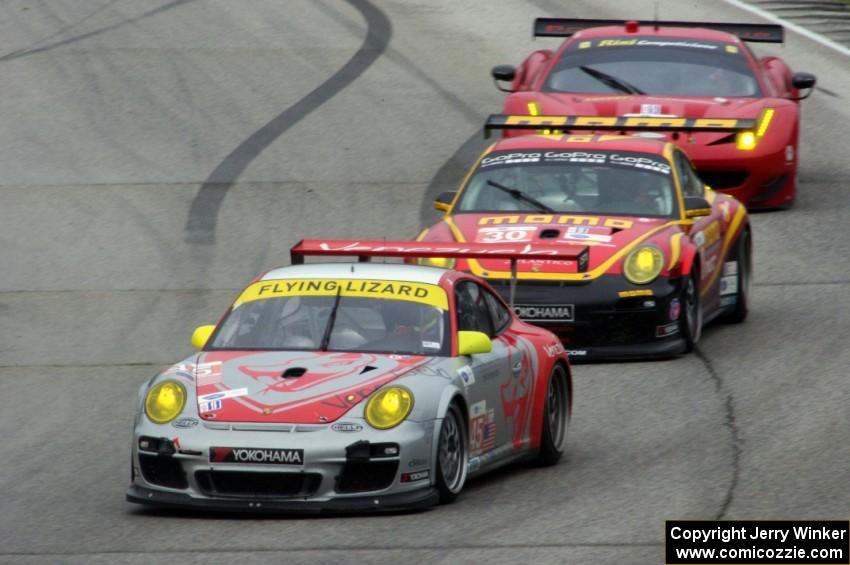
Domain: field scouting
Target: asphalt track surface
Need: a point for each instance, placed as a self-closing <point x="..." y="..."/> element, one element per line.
<point x="157" y="154"/>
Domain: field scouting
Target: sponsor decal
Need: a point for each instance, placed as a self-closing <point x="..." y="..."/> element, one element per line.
<point x="431" y="344"/>
<point x="565" y="219"/>
<point x="482" y="428"/>
<point x="633" y="293"/>
<point x="656" y="43"/>
<point x="576" y="352"/>
<point x="667" y="329"/>
<point x="414" y="292"/>
<point x="730" y="268"/>
<point x="728" y="300"/>
<point x="708" y="236"/>
<point x="210" y="406"/>
<point x="510" y="159"/>
<point x="730" y="49"/>
<point x="184" y="423"/>
<point x="208" y="373"/>
<point x="648" y="134"/>
<point x="506" y="233"/>
<point x="650" y="109"/>
<point x="709" y="265"/>
<point x="415" y="476"/>
<point x="473" y="465"/>
<point x="674" y="309"/>
<point x="551" y="313"/>
<point x="466" y="375"/>
<point x="584" y="44"/>
<point x="554" y="349"/>
<point x="346" y="427"/>
<point x="729" y="285"/>
<point x="417" y="463"/>
<point x="232" y="393"/>
<point x="261" y="456"/>
<point x="587" y="233"/>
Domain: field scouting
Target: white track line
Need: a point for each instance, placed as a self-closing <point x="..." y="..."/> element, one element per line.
<point x="825" y="41"/>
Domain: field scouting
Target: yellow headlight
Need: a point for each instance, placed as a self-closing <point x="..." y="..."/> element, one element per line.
<point x="389" y="407"/>
<point x="441" y="262"/>
<point x="165" y="401"/>
<point x="746" y="141"/>
<point x="643" y="264"/>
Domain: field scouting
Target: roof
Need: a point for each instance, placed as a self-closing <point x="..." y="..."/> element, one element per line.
<point x="582" y="142"/>
<point x="646" y="29"/>
<point x="372" y="271"/>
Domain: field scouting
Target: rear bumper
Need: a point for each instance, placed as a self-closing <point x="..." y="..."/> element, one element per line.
<point x="612" y="318"/>
<point x="414" y="500"/>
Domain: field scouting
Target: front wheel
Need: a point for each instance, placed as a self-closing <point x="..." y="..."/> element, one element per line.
<point x="452" y="454"/>
<point x="690" y="324"/>
<point x="556" y="418"/>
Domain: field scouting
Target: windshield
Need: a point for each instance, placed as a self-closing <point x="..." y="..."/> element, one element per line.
<point x="591" y="182"/>
<point x="654" y="66"/>
<point x="370" y="316"/>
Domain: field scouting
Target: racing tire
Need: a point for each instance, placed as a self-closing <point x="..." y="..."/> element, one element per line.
<point x="743" y="256"/>
<point x="452" y="454"/>
<point x="556" y="419"/>
<point x="690" y="322"/>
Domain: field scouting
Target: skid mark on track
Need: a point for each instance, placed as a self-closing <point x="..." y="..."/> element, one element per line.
<point x="203" y="214"/>
<point x="33" y="50"/>
<point x="729" y="423"/>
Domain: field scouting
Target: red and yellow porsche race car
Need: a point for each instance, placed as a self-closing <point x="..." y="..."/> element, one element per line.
<point x="667" y="73"/>
<point x="666" y="253"/>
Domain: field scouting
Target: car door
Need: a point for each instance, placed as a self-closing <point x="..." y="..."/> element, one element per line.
<point x="707" y="233"/>
<point x="483" y="375"/>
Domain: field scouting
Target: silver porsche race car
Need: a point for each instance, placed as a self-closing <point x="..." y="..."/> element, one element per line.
<point x="353" y="387"/>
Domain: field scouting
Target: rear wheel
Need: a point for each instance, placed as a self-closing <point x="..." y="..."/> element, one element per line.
<point x="556" y="418"/>
<point x="452" y="454"/>
<point x="743" y="258"/>
<point x="690" y="323"/>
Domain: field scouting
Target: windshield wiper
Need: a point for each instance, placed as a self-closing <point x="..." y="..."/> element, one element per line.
<point x="520" y="195"/>
<point x="331" y="319"/>
<point x="613" y="82"/>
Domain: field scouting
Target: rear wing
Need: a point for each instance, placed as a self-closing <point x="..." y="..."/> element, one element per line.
<point x="365" y="249"/>
<point x="616" y="123"/>
<point x="565" y="27"/>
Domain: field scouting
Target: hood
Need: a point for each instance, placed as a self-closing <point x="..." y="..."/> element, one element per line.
<point x="604" y="238"/>
<point x="301" y="387"/>
<point x="679" y="106"/>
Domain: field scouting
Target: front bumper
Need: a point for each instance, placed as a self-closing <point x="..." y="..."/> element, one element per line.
<point x="759" y="180"/>
<point x="611" y="317"/>
<point x="414" y="500"/>
<point x="333" y="471"/>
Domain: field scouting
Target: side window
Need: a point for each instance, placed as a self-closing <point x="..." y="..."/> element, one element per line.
<point x="472" y="311"/>
<point x="500" y="315"/>
<point x="691" y="183"/>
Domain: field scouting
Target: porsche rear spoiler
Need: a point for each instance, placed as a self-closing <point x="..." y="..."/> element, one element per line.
<point x="618" y="123"/>
<point x="565" y="27"/>
<point x="365" y="249"/>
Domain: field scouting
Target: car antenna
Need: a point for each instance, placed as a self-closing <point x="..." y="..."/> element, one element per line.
<point x="655" y="16"/>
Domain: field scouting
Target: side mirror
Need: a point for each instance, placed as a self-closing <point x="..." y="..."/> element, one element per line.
<point x="443" y="203"/>
<point x="471" y="343"/>
<point x="803" y="81"/>
<point x="201" y="335"/>
<point x="696" y="207"/>
<point x="505" y="73"/>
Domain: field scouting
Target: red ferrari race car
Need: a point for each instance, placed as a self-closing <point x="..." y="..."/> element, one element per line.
<point x="666" y="72"/>
<point x="666" y="254"/>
